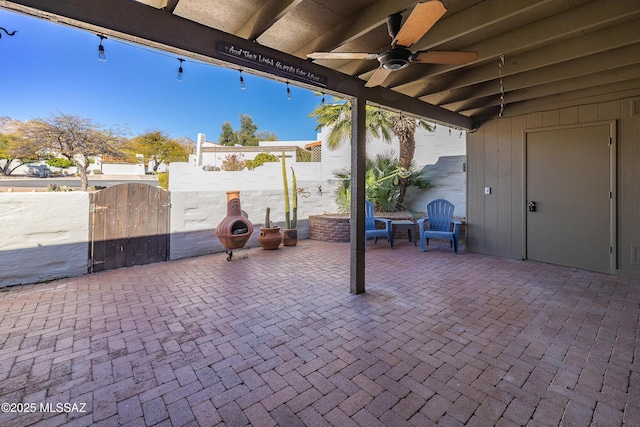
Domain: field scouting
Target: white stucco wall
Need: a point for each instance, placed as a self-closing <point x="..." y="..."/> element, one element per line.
<point x="442" y="151"/>
<point x="196" y="214"/>
<point x="44" y="236"/>
<point x="123" y="169"/>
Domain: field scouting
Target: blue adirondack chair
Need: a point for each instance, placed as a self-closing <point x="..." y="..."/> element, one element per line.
<point x="370" y="229"/>
<point x="440" y="220"/>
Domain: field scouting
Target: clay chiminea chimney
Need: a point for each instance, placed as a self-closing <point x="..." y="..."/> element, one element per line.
<point x="235" y="229"/>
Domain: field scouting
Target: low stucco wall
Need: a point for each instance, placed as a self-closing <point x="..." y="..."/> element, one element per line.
<point x="44" y="236"/>
<point x="196" y="214"/>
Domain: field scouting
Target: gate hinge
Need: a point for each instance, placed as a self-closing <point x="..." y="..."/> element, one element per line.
<point x="168" y="205"/>
<point x="610" y="141"/>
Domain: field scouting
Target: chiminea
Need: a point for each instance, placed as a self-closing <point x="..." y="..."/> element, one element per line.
<point x="235" y="229"/>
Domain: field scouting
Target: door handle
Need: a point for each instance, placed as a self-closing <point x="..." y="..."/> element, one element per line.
<point x="532" y="206"/>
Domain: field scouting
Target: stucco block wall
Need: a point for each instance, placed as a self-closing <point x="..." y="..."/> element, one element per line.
<point x="442" y="152"/>
<point x="44" y="236"/>
<point x="196" y="214"/>
<point x="496" y="222"/>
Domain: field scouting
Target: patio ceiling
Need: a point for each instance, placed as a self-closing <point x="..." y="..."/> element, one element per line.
<point x="545" y="53"/>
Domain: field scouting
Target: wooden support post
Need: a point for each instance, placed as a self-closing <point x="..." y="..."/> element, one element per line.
<point x="358" y="164"/>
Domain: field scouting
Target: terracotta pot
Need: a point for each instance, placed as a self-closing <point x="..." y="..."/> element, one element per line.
<point x="269" y="238"/>
<point x="235" y="229"/>
<point x="290" y="236"/>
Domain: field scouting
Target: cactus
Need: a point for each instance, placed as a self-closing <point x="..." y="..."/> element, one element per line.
<point x="290" y="209"/>
<point x="287" y="213"/>
<point x="267" y="221"/>
<point x="294" y="205"/>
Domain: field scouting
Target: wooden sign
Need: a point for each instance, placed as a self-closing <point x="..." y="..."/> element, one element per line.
<point x="270" y="65"/>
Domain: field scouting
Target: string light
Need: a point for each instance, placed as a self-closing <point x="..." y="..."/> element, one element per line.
<point x="242" y="85"/>
<point x="180" y="70"/>
<point x="322" y="102"/>
<point x="101" y="56"/>
<point x="500" y="67"/>
<point x="288" y="92"/>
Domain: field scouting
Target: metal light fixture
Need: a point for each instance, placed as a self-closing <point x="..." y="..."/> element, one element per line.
<point x="180" y="70"/>
<point x="101" y="56"/>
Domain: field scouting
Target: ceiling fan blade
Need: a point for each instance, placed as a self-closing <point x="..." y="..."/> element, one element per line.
<point x="423" y="17"/>
<point x="342" y="55"/>
<point x="444" y="57"/>
<point x="378" y="77"/>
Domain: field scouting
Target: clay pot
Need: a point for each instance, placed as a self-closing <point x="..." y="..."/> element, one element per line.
<point x="235" y="229"/>
<point x="290" y="236"/>
<point x="270" y="238"/>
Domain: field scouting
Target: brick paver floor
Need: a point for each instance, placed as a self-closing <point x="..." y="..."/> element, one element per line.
<point x="276" y="339"/>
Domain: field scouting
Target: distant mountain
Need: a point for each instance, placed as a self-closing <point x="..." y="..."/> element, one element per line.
<point x="187" y="142"/>
<point x="8" y="125"/>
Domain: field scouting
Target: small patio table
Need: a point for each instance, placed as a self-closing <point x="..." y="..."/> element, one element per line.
<point x="403" y="224"/>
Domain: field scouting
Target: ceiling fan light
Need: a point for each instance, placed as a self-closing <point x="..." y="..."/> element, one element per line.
<point x="395" y="64"/>
<point x="395" y="59"/>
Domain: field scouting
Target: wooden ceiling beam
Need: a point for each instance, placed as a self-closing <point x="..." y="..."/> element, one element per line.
<point x="576" y="88"/>
<point x="575" y="70"/>
<point x="540" y="34"/>
<point x="350" y="29"/>
<point x="614" y="37"/>
<point x="139" y="23"/>
<point x="450" y="28"/>
<point x="271" y="12"/>
<point x="571" y="99"/>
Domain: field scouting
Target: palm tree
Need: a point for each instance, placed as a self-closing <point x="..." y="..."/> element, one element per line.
<point x="338" y="114"/>
<point x="379" y="124"/>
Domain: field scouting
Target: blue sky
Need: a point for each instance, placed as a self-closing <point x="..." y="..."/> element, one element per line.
<point x="48" y="68"/>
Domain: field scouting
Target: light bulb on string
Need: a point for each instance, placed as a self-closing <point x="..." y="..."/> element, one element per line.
<point x="101" y="56"/>
<point x="288" y="92"/>
<point x="180" y="70"/>
<point x="322" y="102"/>
<point x="242" y="85"/>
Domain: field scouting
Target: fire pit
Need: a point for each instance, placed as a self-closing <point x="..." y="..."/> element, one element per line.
<point x="235" y="229"/>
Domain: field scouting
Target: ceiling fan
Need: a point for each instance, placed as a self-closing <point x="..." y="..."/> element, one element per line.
<point x="421" y="19"/>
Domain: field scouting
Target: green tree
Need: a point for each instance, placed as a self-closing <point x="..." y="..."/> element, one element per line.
<point x="265" y="135"/>
<point x="14" y="153"/>
<point x="59" y="162"/>
<point x="248" y="134"/>
<point x="379" y="124"/>
<point x="227" y="136"/>
<point x="158" y="146"/>
<point x="73" y="137"/>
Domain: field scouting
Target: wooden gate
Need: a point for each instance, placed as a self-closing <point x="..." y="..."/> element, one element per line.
<point x="129" y="226"/>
